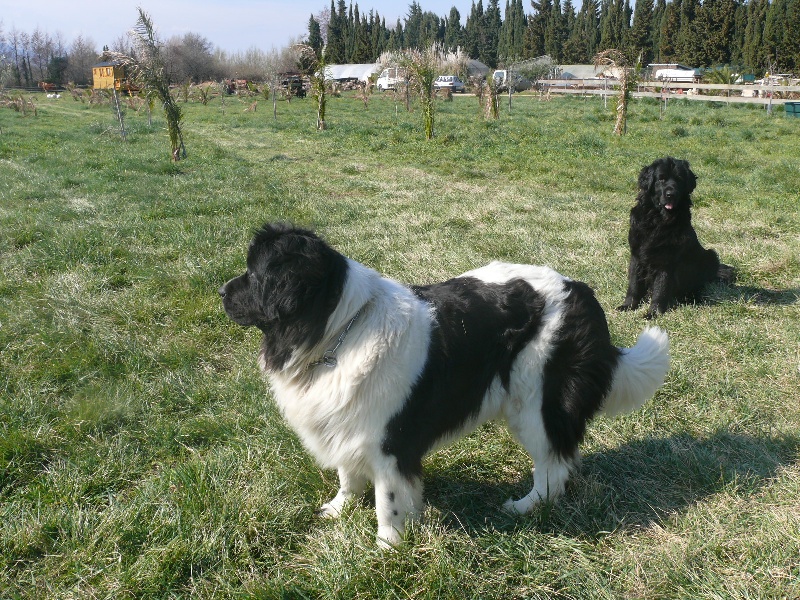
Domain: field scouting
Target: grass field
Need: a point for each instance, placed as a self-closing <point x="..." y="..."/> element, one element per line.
<point x="142" y="457"/>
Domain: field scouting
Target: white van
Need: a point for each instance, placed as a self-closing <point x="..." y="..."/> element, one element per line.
<point x="677" y="75"/>
<point x="389" y="78"/>
<point x="504" y="79"/>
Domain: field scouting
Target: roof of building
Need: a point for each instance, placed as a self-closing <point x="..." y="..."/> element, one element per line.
<point x="361" y="72"/>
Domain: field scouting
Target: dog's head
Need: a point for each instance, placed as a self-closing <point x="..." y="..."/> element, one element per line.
<point x="293" y="282"/>
<point x="668" y="184"/>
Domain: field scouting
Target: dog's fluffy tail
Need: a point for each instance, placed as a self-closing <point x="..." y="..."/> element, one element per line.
<point x="640" y="372"/>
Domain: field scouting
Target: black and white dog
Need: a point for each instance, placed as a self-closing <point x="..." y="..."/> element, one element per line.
<point x="667" y="261"/>
<point x="373" y="374"/>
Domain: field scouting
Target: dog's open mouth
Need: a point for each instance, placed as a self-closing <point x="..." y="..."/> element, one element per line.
<point x="669" y="206"/>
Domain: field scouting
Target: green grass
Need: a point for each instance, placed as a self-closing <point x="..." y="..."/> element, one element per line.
<point x="141" y="455"/>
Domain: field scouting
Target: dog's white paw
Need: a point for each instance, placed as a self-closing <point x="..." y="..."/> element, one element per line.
<point x="329" y="511"/>
<point x="388" y="537"/>
<point x="522" y="506"/>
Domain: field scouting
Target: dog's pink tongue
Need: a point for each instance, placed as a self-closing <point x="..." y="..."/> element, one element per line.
<point x="668" y="206"/>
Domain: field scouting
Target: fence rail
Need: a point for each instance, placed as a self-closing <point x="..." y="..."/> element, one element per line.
<point x="662" y="90"/>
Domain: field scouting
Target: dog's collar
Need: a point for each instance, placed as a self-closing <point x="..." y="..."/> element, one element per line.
<point x="329" y="358"/>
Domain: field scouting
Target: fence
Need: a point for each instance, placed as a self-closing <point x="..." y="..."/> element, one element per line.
<point x="763" y="94"/>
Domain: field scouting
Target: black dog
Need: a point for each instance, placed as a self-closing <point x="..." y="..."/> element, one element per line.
<point x="667" y="260"/>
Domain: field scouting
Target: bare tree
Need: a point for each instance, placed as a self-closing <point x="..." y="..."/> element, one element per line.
<point x="18" y="42"/>
<point x="39" y="53"/>
<point x="82" y="56"/>
<point x="190" y="58"/>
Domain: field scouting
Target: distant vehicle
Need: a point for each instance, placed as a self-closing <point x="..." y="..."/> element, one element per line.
<point x="677" y="75"/>
<point x="389" y="78"/>
<point x="505" y="79"/>
<point x="452" y="82"/>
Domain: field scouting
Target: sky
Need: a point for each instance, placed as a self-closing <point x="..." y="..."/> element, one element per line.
<point x="231" y="25"/>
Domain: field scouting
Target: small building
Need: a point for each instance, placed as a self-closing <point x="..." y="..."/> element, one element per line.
<point x="110" y="75"/>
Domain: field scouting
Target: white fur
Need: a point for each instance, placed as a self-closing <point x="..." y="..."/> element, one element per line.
<point x="341" y="413"/>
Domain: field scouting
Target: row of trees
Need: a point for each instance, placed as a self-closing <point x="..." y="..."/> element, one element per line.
<point x="756" y="35"/>
<point x="29" y="58"/>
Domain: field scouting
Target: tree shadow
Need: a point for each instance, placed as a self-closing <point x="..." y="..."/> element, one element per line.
<point x="636" y="485"/>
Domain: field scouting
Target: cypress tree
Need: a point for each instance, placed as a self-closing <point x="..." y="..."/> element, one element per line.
<point x="641" y="34"/>
<point x="689" y="38"/>
<point x="554" y="32"/>
<point x="491" y="29"/>
<point x="335" y="50"/>
<point x="658" y="15"/>
<point x="537" y="26"/>
<point x="315" y="36"/>
<point x="791" y="38"/>
<point x="453" y="33"/>
<point x="473" y="31"/>
<point x="719" y="21"/>
<point x="670" y="30"/>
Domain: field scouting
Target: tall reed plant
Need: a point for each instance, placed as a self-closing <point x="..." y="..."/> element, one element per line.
<point x="148" y="70"/>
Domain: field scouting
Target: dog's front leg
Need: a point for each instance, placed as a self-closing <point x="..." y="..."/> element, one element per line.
<point x="663" y="294"/>
<point x="351" y="486"/>
<point x="637" y="286"/>
<point x="397" y="498"/>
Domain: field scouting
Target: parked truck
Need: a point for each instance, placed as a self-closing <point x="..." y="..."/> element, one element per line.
<point x="389" y="78"/>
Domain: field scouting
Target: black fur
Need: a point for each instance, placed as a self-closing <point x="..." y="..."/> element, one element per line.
<point x="579" y="371"/>
<point x="299" y="284"/>
<point x="480" y="328"/>
<point x="667" y="262"/>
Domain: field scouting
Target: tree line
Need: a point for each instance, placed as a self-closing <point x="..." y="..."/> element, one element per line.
<point x="755" y="36"/>
<point x="26" y="59"/>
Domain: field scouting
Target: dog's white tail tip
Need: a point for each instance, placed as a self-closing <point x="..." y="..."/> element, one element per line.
<point x="640" y="372"/>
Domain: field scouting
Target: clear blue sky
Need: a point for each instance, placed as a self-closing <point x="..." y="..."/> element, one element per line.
<point x="232" y="25"/>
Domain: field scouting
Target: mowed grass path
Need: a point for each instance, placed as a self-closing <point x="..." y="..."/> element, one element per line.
<point x="141" y="455"/>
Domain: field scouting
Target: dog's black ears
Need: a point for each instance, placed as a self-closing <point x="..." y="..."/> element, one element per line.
<point x="682" y="166"/>
<point x="647" y="177"/>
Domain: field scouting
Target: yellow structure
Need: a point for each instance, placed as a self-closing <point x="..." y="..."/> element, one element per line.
<point x="109" y="75"/>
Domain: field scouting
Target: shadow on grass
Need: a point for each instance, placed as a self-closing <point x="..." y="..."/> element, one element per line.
<point x="635" y="485"/>
<point x="719" y="293"/>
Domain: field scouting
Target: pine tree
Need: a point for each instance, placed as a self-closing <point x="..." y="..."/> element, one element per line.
<point x="753" y="51"/>
<point x="658" y="15"/>
<point x="335" y="49"/>
<point x="362" y="52"/>
<point x="554" y="32"/>
<point x="453" y="33"/>
<point x="670" y="31"/>
<point x="315" y="36"/>
<point x="641" y="35"/>
<point x="791" y="37"/>
<point x="491" y="29"/>
<point x="537" y="26"/>
<point x="473" y="31"/>
<point x="719" y="21"/>
<point x="689" y="40"/>
<point x="775" y="34"/>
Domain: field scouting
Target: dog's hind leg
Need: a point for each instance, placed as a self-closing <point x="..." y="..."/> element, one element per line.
<point x="550" y="472"/>
<point x="350" y="487"/>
